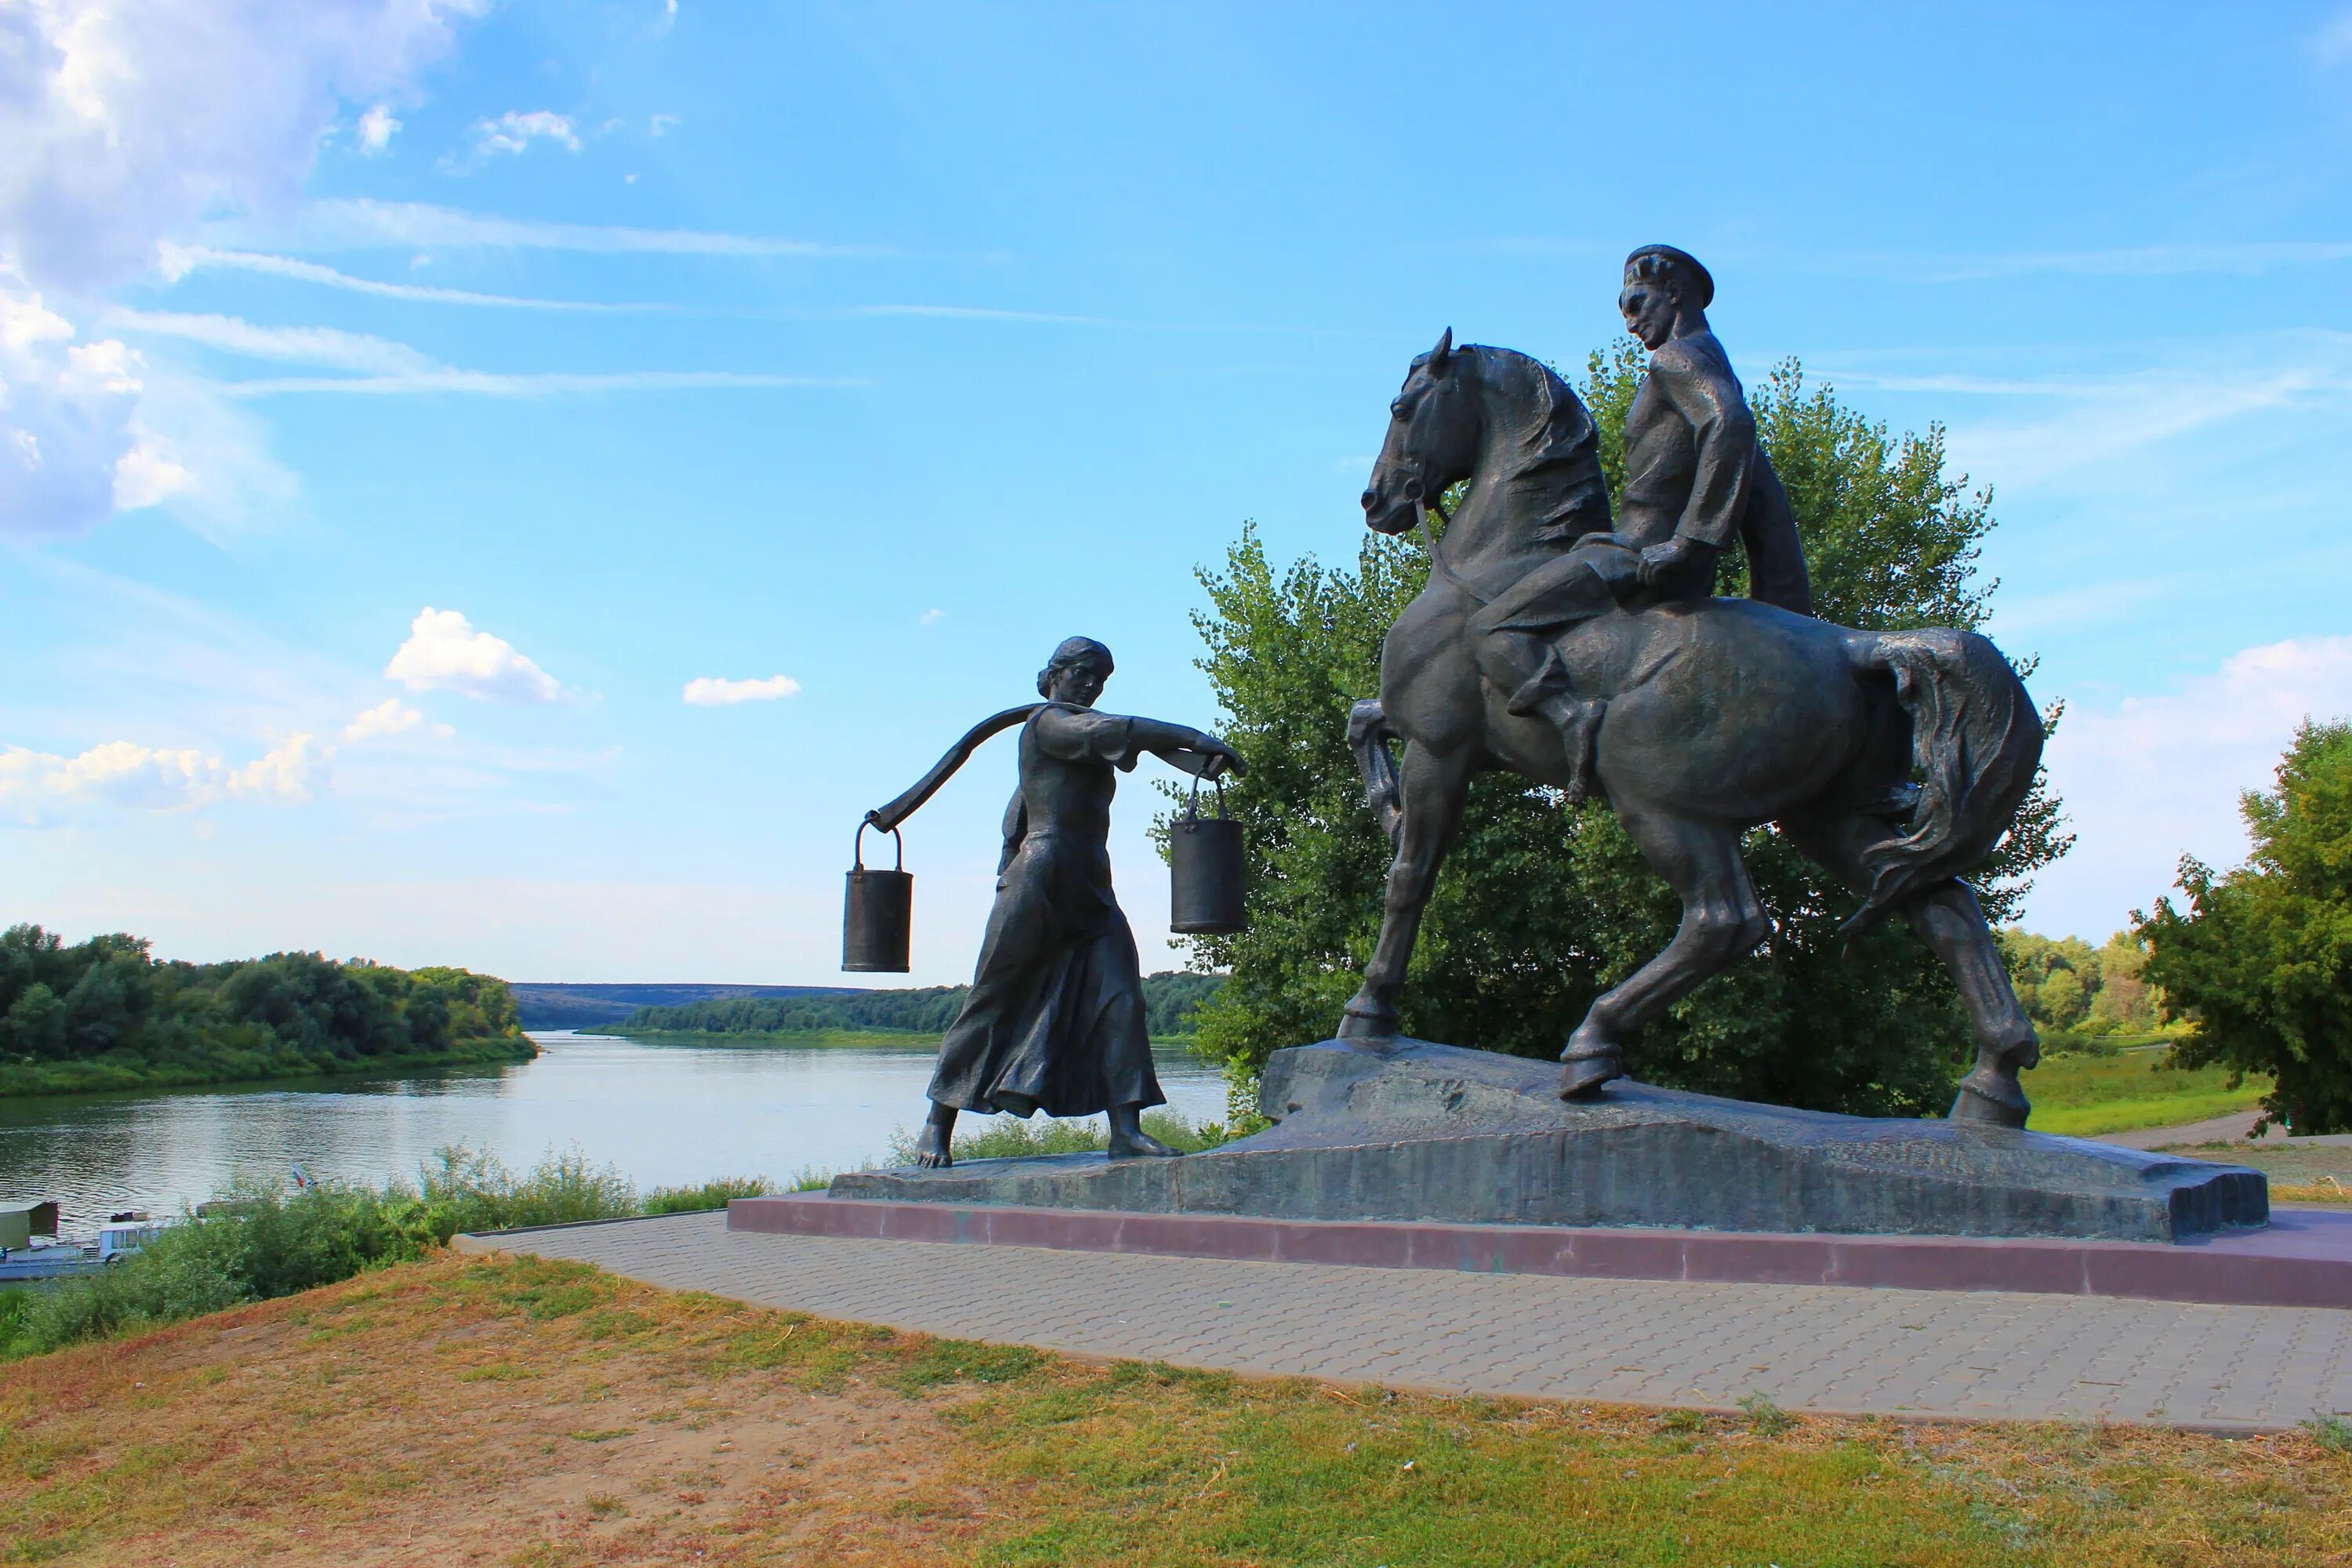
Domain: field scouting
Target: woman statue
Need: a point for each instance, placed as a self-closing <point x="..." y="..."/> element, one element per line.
<point x="1055" y="1021"/>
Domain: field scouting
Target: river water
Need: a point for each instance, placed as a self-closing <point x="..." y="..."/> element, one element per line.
<point x="667" y="1115"/>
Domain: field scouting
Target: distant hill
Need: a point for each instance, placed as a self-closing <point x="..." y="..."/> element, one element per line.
<point x="567" y="1004"/>
<point x="1168" y="1001"/>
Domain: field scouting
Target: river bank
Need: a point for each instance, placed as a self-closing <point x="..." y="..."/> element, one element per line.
<point x="237" y="1068"/>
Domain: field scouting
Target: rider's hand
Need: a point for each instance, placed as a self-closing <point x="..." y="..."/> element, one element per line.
<point x="1674" y="563"/>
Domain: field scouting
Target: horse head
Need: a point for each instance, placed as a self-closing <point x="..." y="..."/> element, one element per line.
<point x="1434" y="427"/>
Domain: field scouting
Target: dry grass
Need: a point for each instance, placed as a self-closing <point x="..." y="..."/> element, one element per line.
<point x="540" y="1413"/>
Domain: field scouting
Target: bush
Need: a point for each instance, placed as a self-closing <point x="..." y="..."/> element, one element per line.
<point x="1010" y="1138"/>
<point x="709" y="1195"/>
<point x="261" y="1242"/>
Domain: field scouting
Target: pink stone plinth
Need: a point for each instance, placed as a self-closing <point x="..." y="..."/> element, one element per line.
<point x="2303" y="1259"/>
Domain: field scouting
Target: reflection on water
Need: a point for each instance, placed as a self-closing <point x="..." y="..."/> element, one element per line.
<point x="665" y="1114"/>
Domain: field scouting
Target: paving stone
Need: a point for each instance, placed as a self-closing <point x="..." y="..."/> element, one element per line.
<point x="1665" y="1343"/>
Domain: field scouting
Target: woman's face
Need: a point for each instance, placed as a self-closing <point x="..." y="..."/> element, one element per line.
<point x="1079" y="684"/>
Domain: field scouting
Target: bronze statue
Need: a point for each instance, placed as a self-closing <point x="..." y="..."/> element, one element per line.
<point x="1593" y="659"/>
<point x="1055" y="1021"/>
<point x="1695" y="480"/>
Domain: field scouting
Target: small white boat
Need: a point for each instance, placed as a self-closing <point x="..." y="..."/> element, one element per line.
<point x="41" y="1260"/>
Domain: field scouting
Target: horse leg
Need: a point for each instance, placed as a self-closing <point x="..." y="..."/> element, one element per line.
<point x="1948" y="920"/>
<point x="1435" y="787"/>
<point x="1722" y="923"/>
<point x="1948" y="917"/>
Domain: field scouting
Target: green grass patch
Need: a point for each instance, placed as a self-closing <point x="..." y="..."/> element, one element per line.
<point x="2082" y="1095"/>
<point x="957" y="1360"/>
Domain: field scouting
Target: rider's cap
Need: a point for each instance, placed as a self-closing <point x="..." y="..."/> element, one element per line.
<point x="1681" y="261"/>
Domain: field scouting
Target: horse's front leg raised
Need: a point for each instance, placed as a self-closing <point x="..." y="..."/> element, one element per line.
<point x="1435" y="786"/>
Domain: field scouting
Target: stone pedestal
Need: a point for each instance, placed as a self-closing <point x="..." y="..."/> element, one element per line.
<point x="1406" y="1130"/>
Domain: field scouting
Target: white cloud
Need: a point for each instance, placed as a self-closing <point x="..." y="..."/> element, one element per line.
<point x="492" y="384"/>
<point x="2333" y="42"/>
<point x="358" y="224"/>
<point x="2084" y="418"/>
<point x="124" y="125"/>
<point x="69" y="419"/>
<point x="179" y="261"/>
<point x="389" y="717"/>
<point x="444" y="653"/>
<point x="514" y="131"/>
<point x="148" y="474"/>
<point x="715" y="691"/>
<point x="38" y="788"/>
<point x="2155" y="777"/>
<point x="386" y="367"/>
<point x="376" y="129"/>
<point x="662" y="124"/>
<point x="932" y="617"/>
<point x="326" y="346"/>
<point x="979" y="313"/>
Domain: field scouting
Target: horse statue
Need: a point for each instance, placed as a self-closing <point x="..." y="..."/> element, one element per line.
<point x="1721" y="715"/>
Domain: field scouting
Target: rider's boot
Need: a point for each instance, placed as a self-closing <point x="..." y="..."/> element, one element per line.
<point x="1547" y="695"/>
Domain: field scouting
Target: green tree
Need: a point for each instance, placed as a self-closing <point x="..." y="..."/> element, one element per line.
<point x="2125" y="1000"/>
<point x="2260" y="959"/>
<point x="107" y="999"/>
<point x="1540" y="906"/>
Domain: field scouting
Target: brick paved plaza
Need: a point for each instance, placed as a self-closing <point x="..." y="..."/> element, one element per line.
<point x="1809" y="1347"/>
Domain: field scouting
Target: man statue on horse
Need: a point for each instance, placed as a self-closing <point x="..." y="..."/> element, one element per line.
<point x="1696" y="479"/>
<point x="1597" y="659"/>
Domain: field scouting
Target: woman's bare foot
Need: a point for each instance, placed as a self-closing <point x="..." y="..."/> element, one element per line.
<point x="937" y="1133"/>
<point x="1128" y="1140"/>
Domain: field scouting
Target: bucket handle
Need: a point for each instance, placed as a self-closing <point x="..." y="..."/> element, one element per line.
<point x="857" y="848"/>
<point x="1193" y="808"/>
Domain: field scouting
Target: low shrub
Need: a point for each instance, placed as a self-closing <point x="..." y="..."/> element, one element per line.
<point x="709" y="1195"/>
<point x="1010" y="1137"/>
<point x="260" y="1242"/>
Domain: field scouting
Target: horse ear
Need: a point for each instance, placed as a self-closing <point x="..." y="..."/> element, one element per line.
<point x="1439" y="355"/>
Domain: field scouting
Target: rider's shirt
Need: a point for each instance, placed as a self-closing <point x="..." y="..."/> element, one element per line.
<point x="1690" y="449"/>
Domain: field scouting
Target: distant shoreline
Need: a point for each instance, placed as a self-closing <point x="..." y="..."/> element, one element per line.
<point x="33" y="1081"/>
<point x="822" y="1039"/>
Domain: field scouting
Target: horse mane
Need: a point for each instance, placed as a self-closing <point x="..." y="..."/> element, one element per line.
<point x="1558" y="451"/>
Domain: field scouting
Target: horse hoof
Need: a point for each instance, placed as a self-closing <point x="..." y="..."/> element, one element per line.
<point x="1584" y="1076"/>
<point x="1368" y="1021"/>
<point x="1992" y="1099"/>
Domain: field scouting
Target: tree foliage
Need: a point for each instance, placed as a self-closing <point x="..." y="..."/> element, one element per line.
<point x="1540" y="906"/>
<point x="107" y="1004"/>
<point x="2068" y="986"/>
<point x="2260" y="959"/>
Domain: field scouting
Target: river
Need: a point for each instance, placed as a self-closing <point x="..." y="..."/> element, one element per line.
<point x="665" y="1115"/>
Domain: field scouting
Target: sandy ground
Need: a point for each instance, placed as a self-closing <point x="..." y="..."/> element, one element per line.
<point x="442" y="1420"/>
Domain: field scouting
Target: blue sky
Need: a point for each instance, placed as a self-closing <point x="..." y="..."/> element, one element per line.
<point x="879" y="348"/>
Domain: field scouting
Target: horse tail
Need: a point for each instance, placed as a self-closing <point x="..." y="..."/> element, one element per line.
<point x="1368" y="734"/>
<point x="1975" y="739"/>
